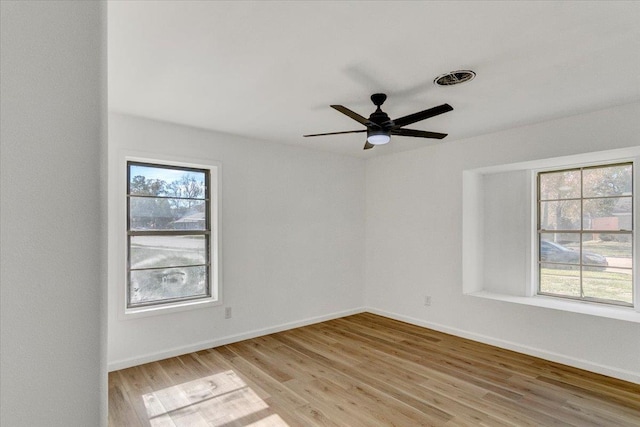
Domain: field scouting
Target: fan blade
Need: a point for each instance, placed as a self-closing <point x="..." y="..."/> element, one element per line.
<point x="336" y="133"/>
<point x="416" y="117"/>
<point x="368" y="145"/>
<point x="418" y="133"/>
<point x="355" y="116"/>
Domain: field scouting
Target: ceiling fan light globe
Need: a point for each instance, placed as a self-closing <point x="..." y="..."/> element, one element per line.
<point x="378" y="139"/>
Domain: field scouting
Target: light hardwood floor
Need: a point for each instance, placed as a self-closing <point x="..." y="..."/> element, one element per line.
<point x="366" y="370"/>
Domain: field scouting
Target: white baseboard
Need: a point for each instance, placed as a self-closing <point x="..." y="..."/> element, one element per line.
<point x="203" y="345"/>
<point x="633" y="377"/>
<point x="630" y="376"/>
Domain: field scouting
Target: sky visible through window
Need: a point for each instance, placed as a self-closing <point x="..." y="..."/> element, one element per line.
<point x="164" y="174"/>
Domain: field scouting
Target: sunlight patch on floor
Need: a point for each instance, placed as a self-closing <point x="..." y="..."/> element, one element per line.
<point x="222" y="399"/>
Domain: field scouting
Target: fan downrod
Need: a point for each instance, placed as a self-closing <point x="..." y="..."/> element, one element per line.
<point x="378" y="99"/>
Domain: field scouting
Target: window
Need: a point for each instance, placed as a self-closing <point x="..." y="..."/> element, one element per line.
<point x="169" y="235"/>
<point x="585" y="233"/>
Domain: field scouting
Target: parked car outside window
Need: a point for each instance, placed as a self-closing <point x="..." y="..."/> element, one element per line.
<point x="556" y="253"/>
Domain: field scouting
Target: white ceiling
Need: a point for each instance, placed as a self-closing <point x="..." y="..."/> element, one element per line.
<point x="270" y="70"/>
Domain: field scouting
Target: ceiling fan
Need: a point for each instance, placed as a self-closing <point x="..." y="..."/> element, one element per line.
<point x="380" y="127"/>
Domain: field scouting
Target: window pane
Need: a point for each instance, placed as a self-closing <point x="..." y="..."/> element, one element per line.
<point x="612" y="284"/>
<point x="560" y="185"/>
<point x="559" y="280"/>
<point x="608" y="214"/>
<point x="560" y="248"/>
<point x="146" y="180"/>
<point x="560" y="215"/>
<point x="167" y="251"/>
<point x="607" y="181"/>
<point x="168" y="283"/>
<point x="153" y="213"/>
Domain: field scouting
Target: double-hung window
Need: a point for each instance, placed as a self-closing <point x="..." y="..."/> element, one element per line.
<point x="169" y="235"/>
<point x="585" y="233"/>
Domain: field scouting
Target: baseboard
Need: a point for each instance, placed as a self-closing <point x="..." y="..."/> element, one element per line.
<point x="203" y="345"/>
<point x="633" y="377"/>
<point x="625" y="375"/>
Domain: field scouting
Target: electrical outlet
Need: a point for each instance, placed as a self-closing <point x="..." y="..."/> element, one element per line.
<point x="227" y="312"/>
<point x="427" y="300"/>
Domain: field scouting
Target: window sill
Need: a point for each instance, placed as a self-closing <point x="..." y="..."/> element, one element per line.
<point x="627" y="314"/>
<point x="135" y="313"/>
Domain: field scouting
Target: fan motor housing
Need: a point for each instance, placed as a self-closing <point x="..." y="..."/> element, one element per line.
<point x="379" y="117"/>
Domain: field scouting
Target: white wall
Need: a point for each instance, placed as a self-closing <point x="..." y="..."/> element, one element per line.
<point x="276" y="199"/>
<point x="52" y="110"/>
<point x="292" y="240"/>
<point x="414" y="243"/>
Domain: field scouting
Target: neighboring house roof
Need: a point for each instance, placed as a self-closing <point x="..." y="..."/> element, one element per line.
<point x="191" y="217"/>
<point x="196" y="214"/>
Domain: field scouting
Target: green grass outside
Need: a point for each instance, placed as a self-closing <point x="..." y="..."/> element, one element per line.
<point x="603" y="285"/>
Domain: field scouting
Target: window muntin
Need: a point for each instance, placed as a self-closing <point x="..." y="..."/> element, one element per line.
<point x="585" y="233"/>
<point x="168" y="234"/>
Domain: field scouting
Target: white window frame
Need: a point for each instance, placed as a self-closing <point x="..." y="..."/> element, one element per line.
<point x="536" y="240"/>
<point x="215" y="274"/>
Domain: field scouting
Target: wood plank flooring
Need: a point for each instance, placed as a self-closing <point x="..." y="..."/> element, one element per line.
<point x="366" y="370"/>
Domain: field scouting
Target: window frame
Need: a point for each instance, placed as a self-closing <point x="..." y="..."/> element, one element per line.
<point x="214" y="295"/>
<point x="538" y="232"/>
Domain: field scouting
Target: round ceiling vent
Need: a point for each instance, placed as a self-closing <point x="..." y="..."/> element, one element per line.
<point x="454" y="78"/>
